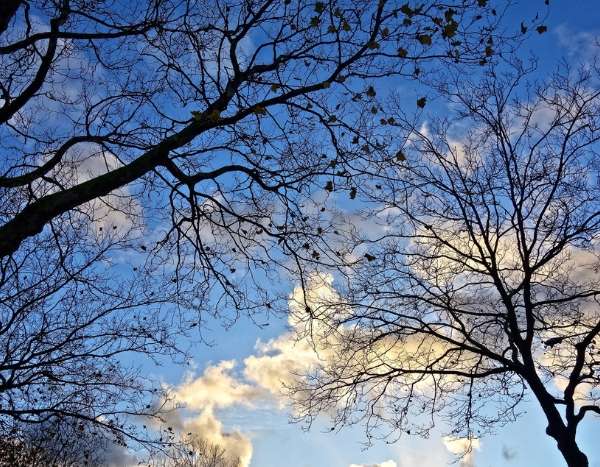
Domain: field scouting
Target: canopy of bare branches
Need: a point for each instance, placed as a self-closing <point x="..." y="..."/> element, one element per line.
<point x="479" y="283"/>
<point x="159" y="161"/>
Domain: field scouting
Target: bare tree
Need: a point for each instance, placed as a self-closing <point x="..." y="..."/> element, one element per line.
<point x="195" y="451"/>
<point x="161" y="156"/>
<point x="480" y="286"/>
<point x="58" y="444"/>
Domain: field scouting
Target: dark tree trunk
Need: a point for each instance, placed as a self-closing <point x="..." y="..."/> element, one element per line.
<point x="567" y="445"/>
<point x="564" y="434"/>
<point x="8" y="9"/>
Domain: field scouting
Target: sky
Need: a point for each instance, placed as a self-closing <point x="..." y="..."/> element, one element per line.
<point x="230" y="388"/>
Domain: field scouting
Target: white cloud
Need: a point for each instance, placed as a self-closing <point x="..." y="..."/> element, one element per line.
<point x="114" y="455"/>
<point x="263" y="374"/>
<point x="198" y="398"/>
<point x="580" y="46"/>
<point x="207" y="427"/>
<point x="116" y="213"/>
<point x="463" y="447"/>
<point x="261" y="379"/>
<point x="276" y="362"/>
<point x="217" y="387"/>
<point x="117" y="209"/>
<point x="389" y="463"/>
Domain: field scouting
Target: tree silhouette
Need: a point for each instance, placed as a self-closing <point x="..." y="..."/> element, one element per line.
<point x="480" y="287"/>
<point x="59" y="444"/>
<point x="194" y="451"/>
<point x="161" y="157"/>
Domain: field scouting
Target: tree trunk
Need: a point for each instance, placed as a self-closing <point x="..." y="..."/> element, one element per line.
<point x="8" y="9"/>
<point x="564" y="434"/>
<point x="567" y="445"/>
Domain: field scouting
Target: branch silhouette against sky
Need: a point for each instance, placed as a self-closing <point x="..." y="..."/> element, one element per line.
<point x="376" y="213"/>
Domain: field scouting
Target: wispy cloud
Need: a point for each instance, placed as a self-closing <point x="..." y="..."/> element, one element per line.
<point x="580" y="46"/>
<point x="389" y="463"/>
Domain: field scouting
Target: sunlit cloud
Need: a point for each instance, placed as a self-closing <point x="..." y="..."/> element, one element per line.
<point x="217" y="387"/>
<point x="263" y="378"/>
<point x="198" y="398"/>
<point x="463" y="447"/>
<point x="259" y="381"/>
<point x="208" y="427"/>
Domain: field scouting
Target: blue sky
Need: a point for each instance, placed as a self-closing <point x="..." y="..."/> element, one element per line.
<point x="572" y="27"/>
